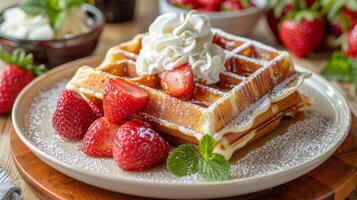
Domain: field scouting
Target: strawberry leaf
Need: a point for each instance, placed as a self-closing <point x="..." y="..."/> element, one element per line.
<point x="38" y="70"/>
<point x="333" y="9"/>
<point x="23" y="60"/>
<point x="300" y="4"/>
<point x="278" y="7"/>
<point x="305" y="14"/>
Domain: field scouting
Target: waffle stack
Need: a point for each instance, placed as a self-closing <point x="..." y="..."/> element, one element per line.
<point x="258" y="88"/>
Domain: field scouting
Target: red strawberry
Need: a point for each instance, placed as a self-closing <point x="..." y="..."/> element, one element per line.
<point x="97" y="106"/>
<point x="137" y="147"/>
<point x="336" y="29"/>
<point x="210" y="2"/>
<point x="309" y="2"/>
<point x="348" y="13"/>
<point x="231" y="5"/>
<point x="99" y="139"/>
<point x="209" y="8"/>
<point x="186" y="4"/>
<point x="302" y="37"/>
<point x="179" y="81"/>
<point x="15" y="76"/>
<point x="273" y="21"/>
<point x="72" y="116"/>
<point x="122" y="99"/>
<point x="12" y="80"/>
<point x="352" y="42"/>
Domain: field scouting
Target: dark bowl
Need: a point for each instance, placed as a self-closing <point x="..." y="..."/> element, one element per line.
<point x="58" y="51"/>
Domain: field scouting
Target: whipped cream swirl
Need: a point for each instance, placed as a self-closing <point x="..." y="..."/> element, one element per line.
<point x="177" y="39"/>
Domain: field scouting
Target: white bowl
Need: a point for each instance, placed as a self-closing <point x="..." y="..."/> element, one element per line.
<point x="236" y="22"/>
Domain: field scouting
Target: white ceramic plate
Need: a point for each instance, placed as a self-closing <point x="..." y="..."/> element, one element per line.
<point x="305" y="144"/>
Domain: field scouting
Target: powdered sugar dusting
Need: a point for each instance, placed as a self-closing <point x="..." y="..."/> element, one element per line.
<point x="144" y="132"/>
<point x="304" y="140"/>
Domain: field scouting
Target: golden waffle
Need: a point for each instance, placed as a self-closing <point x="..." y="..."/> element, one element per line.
<point x="254" y="72"/>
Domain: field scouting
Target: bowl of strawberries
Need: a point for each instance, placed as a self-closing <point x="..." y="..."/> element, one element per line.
<point x="234" y="16"/>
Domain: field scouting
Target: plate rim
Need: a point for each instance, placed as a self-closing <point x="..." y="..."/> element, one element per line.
<point x="39" y="153"/>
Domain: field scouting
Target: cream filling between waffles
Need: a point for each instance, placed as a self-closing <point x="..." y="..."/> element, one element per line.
<point x="177" y="39"/>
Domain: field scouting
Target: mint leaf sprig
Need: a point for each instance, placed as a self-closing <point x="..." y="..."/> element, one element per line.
<point x="340" y="68"/>
<point x="56" y="10"/>
<point x="23" y="60"/>
<point x="186" y="159"/>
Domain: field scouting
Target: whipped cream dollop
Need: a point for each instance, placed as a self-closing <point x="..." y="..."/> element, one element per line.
<point x="177" y="39"/>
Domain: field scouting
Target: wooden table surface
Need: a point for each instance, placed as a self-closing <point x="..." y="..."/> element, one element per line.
<point x="113" y="34"/>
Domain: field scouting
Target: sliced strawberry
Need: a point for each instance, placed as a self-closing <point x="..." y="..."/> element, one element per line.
<point x="137" y="147"/>
<point x="72" y="116"/>
<point x="122" y="99"/>
<point x="179" y="81"/>
<point x="99" y="139"/>
<point x="97" y="106"/>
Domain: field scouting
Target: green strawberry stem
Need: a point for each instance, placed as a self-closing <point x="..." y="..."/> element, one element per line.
<point x="22" y="60"/>
<point x="333" y="11"/>
<point x="298" y="15"/>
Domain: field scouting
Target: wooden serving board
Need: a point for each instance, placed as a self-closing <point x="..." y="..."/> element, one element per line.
<point x="334" y="179"/>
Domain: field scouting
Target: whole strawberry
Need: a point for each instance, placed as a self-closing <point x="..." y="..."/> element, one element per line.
<point x="99" y="139"/>
<point x="15" y="77"/>
<point x="138" y="147"/>
<point x="72" y="116"/>
<point x="302" y="33"/>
